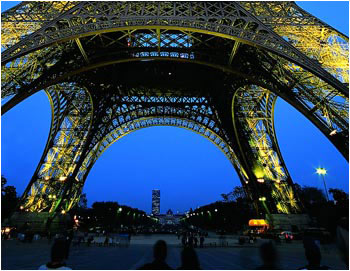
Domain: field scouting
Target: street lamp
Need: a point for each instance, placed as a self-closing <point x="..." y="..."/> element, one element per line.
<point x="323" y="172"/>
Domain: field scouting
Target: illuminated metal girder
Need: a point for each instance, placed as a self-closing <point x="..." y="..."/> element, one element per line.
<point x="216" y="68"/>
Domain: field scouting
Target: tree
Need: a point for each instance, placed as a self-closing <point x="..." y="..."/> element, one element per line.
<point x="312" y="195"/>
<point x="339" y="196"/>
<point x="9" y="198"/>
<point x="236" y="193"/>
<point x="3" y="183"/>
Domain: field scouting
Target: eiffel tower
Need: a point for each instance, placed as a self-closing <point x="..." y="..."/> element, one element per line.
<point x="215" y="68"/>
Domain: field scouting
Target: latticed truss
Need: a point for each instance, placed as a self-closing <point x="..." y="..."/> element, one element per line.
<point x="216" y="68"/>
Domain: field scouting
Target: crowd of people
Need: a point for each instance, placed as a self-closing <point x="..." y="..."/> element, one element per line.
<point x="192" y="239"/>
<point x="189" y="259"/>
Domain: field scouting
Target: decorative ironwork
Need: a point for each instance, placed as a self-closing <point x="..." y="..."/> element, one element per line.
<point x="216" y="68"/>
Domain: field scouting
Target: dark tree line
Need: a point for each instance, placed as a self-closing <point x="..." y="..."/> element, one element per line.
<point x="9" y="199"/>
<point x="228" y="215"/>
<point x="327" y="214"/>
<point x="235" y="210"/>
<point x="109" y="215"/>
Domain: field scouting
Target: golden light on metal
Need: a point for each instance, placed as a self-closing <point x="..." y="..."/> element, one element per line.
<point x="334" y="132"/>
<point x="301" y="39"/>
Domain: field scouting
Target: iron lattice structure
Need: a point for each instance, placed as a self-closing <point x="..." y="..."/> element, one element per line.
<point x="216" y="68"/>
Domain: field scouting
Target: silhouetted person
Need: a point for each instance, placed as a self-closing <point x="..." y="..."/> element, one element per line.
<point x="183" y="240"/>
<point x="201" y="241"/>
<point x="268" y="254"/>
<point x="159" y="254"/>
<point x="313" y="256"/>
<point x="58" y="257"/>
<point x="195" y="239"/>
<point x="343" y="240"/>
<point x="189" y="259"/>
<point x="190" y="240"/>
<point x="89" y="240"/>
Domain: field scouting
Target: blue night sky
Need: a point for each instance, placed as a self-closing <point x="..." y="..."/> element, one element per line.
<point x="189" y="170"/>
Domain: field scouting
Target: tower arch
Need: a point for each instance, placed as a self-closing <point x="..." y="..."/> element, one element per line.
<point x="126" y="55"/>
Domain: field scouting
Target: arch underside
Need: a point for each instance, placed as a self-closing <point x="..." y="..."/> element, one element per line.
<point x="163" y="67"/>
<point x="60" y="176"/>
<point x="124" y="115"/>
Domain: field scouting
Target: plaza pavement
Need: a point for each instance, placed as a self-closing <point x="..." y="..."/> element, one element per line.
<point x="16" y="255"/>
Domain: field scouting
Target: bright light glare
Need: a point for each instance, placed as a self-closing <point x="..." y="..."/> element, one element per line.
<point x="321" y="171"/>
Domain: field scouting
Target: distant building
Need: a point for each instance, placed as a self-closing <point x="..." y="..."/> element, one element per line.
<point x="169" y="218"/>
<point x="156" y="202"/>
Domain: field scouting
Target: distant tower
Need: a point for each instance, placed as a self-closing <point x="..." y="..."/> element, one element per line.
<point x="156" y="202"/>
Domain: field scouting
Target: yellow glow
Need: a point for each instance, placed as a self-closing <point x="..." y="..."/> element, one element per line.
<point x="259" y="172"/>
<point x="260" y="180"/>
<point x="63" y="212"/>
<point x="262" y="199"/>
<point x="62" y="178"/>
<point x="321" y="171"/>
<point x="258" y="222"/>
<point x="333" y="133"/>
<point x="47" y="178"/>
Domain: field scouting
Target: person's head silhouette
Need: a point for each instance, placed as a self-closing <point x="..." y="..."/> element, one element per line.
<point x="160" y="250"/>
<point x="268" y="254"/>
<point x="189" y="259"/>
<point x="59" y="251"/>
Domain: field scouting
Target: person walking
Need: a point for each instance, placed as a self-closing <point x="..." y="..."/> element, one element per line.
<point x="190" y="240"/>
<point x="201" y="241"/>
<point x="195" y="240"/>
<point x="183" y="240"/>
